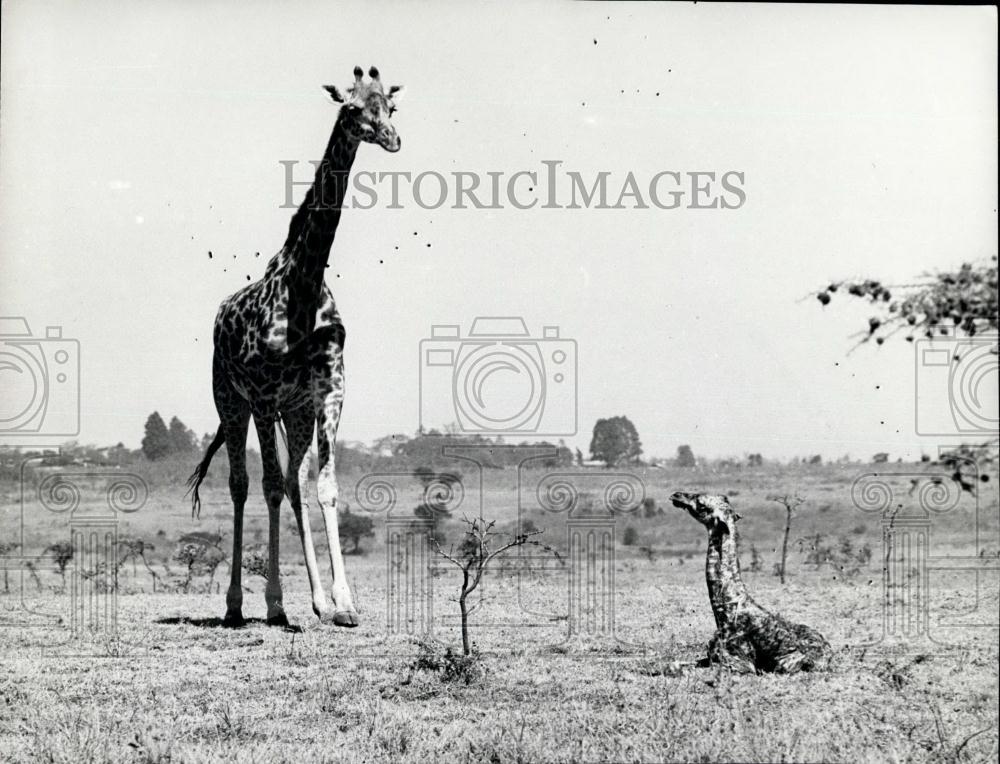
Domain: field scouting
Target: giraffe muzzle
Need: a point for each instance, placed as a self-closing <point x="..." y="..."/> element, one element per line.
<point x="389" y="140"/>
<point x="683" y="500"/>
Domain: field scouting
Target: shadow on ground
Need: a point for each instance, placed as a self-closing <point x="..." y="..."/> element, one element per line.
<point x="218" y="623"/>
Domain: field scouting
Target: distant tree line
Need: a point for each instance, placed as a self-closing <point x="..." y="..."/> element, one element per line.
<point x="161" y="441"/>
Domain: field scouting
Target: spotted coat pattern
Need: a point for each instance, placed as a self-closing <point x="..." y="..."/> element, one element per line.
<point x="748" y="638"/>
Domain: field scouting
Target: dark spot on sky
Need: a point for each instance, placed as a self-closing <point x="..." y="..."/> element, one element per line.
<point x="209" y="254"/>
<point x="396" y="247"/>
<point x="595" y="41"/>
<point x="414" y="233"/>
<point x="380" y="262"/>
<point x="428" y="244"/>
<point x="248" y="277"/>
<point x="256" y="254"/>
<point x="657" y="93"/>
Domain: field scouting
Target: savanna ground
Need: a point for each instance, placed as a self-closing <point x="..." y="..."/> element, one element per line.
<point x="171" y="684"/>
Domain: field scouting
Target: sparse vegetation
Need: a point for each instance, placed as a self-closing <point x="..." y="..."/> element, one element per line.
<point x="369" y="687"/>
<point x="7" y="548"/>
<point x="841" y="554"/>
<point x="790" y="502"/>
<point x="201" y="554"/>
<point x="62" y="553"/>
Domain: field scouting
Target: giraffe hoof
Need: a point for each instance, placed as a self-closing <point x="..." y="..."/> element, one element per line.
<point x="346" y="618"/>
<point x="233" y="621"/>
<point x="278" y="620"/>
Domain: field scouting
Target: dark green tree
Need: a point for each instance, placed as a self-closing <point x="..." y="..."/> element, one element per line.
<point x="156" y="442"/>
<point x="182" y="440"/>
<point x="685" y="457"/>
<point x="615" y="441"/>
<point x="354" y="527"/>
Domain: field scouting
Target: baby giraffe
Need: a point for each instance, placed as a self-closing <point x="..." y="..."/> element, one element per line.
<point x="748" y="638"/>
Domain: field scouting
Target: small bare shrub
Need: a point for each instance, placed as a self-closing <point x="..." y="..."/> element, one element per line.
<point x="791" y="502"/>
<point x="255" y="560"/>
<point x="451" y="666"/>
<point x="201" y="554"/>
<point x="62" y="553"/>
<point x="473" y="557"/>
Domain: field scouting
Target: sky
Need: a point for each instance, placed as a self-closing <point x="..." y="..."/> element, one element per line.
<point x="137" y="138"/>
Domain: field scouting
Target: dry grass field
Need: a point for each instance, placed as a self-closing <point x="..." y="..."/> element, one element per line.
<point x="169" y="684"/>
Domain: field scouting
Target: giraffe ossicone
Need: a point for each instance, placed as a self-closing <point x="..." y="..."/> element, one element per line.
<point x="279" y="358"/>
<point x="748" y="638"/>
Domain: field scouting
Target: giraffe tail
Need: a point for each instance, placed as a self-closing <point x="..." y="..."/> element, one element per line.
<point x="281" y="443"/>
<point x="201" y="471"/>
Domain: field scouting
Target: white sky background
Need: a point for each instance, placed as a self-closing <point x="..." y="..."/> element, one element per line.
<point x="134" y="138"/>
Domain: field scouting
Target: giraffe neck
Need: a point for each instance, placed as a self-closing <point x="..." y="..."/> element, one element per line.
<point x="314" y="224"/>
<point x="726" y="591"/>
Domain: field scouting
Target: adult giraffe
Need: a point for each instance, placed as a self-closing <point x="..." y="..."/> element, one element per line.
<point x="279" y="345"/>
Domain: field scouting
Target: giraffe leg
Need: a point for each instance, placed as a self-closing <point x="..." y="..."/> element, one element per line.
<point x="328" y="390"/>
<point x="299" y="426"/>
<point x="236" y="421"/>
<point x="274" y="491"/>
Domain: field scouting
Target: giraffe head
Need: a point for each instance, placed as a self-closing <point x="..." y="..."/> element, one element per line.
<point x="712" y="511"/>
<point x="367" y="109"/>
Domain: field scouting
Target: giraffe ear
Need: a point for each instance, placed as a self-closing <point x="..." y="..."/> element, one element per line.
<point x="335" y="93"/>
<point x="395" y="94"/>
